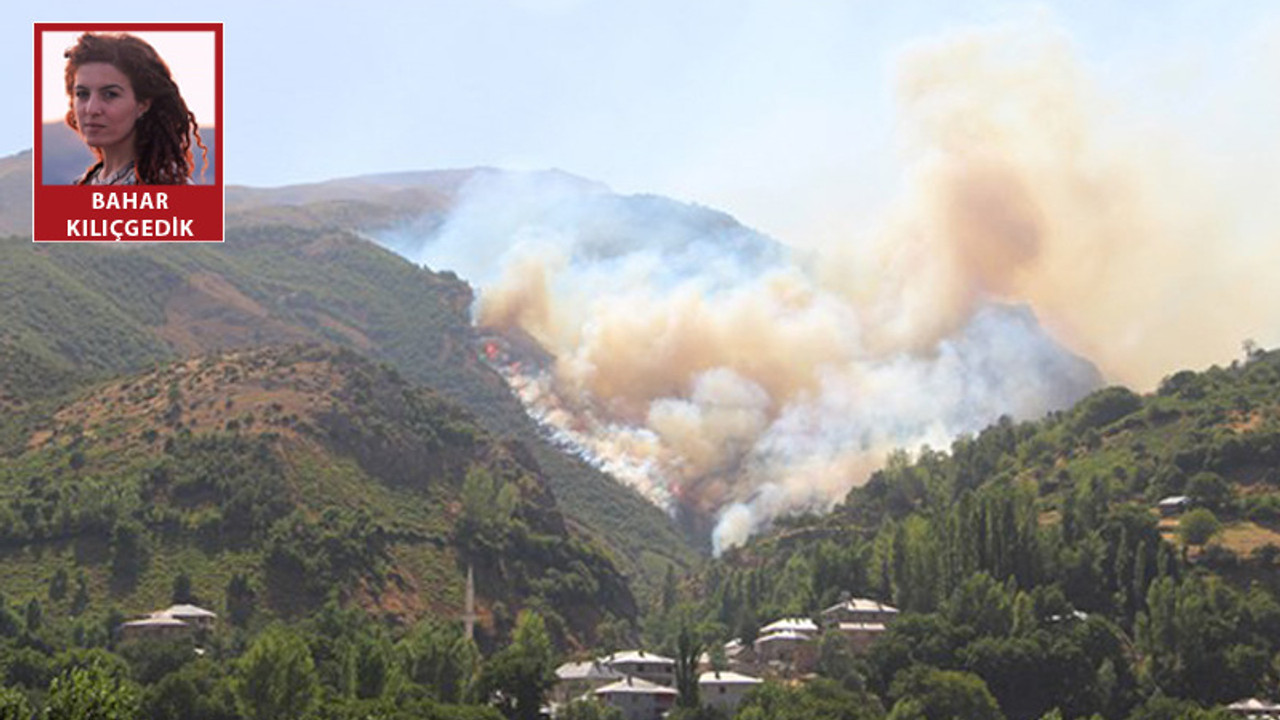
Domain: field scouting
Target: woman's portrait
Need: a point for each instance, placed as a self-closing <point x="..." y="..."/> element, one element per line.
<point x="129" y="111"/>
<point x="124" y="117"/>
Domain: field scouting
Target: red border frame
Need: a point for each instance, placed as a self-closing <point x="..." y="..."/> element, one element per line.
<point x="204" y="196"/>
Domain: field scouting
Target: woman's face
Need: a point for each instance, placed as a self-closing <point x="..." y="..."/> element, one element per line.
<point x="106" y="108"/>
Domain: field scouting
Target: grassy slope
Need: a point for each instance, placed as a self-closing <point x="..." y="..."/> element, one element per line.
<point x="85" y="312"/>
<point x="217" y="459"/>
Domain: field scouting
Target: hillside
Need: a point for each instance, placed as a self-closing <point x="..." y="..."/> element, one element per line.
<point x="291" y="273"/>
<point x="991" y="546"/>
<point x="15" y="194"/>
<point x="311" y="473"/>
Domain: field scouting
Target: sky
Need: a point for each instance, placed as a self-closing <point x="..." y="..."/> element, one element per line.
<point x="781" y="113"/>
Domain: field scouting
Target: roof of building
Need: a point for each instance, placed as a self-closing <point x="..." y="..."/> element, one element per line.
<point x="1174" y="500"/>
<point x="636" y="656"/>
<point x="589" y="670"/>
<point x="800" y="625"/>
<point x="635" y="685"/>
<point x="724" y="677"/>
<point x="181" y="611"/>
<point x="861" y="605"/>
<point x="155" y="622"/>
<point x="784" y="635"/>
<point x="1254" y="704"/>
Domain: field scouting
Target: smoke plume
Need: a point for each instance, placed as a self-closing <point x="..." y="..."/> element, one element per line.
<point x="736" y="379"/>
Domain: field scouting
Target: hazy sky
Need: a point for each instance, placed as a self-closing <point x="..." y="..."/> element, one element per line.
<point x="779" y="112"/>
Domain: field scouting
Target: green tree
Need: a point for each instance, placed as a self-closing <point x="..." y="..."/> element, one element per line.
<point x="520" y="674"/>
<point x="153" y="658"/>
<point x="276" y="677"/>
<point x="182" y="589"/>
<point x="373" y="667"/>
<point x="1198" y="526"/>
<point x="1105" y="407"/>
<point x="10" y="624"/>
<point x="1209" y="490"/>
<point x="983" y="604"/>
<point x="14" y="705"/>
<point x="837" y="660"/>
<point x="128" y="549"/>
<point x="688" y="650"/>
<point x="944" y="695"/>
<point x="58" y="584"/>
<point x="81" y="599"/>
<point x="34" y="616"/>
<point x="91" y="693"/>
<point x="241" y="599"/>
<point x="488" y="503"/>
<point x="440" y="658"/>
<point x="819" y="699"/>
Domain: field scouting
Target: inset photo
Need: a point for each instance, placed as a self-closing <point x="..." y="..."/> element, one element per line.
<point x="120" y="105"/>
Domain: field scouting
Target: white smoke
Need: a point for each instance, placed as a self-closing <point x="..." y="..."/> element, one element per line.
<point x="722" y="373"/>
<point x="709" y="368"/>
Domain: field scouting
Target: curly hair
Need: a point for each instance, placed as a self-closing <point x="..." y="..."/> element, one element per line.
<point x="164" y="133"/>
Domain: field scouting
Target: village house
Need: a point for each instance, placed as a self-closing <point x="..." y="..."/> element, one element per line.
<point x="859" y="610"/>
<point x="193" y="615"/>
<point x="1255" y="709"/>
<point x="638" y="699"/>
<point x="788" y="645"/>
<point x="1174" y="505"/>
<point x="154" y="627"/>
<point x="725" y="690"/>
<point x="640" y="664"/>
<point x="573" y="680"/>
<point x="787" y="651"/>
<point x="173" y="621"/>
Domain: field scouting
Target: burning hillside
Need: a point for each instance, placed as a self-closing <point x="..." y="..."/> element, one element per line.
<point x="732" y="379"/>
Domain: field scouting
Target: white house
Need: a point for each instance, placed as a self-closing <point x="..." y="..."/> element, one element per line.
<point x="859" y="610"/>
<point x="1174" y="505"/>
<point x="638" y="699"/>
<point x="640" y="664"/>
<point x="173" y="621"/>
<point x="154" y="627"/>
<point x="1255" y="709"/>
<point x="795" y="651"/>
<point x="574" y="680"/>
<point x="725" y="690"/>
